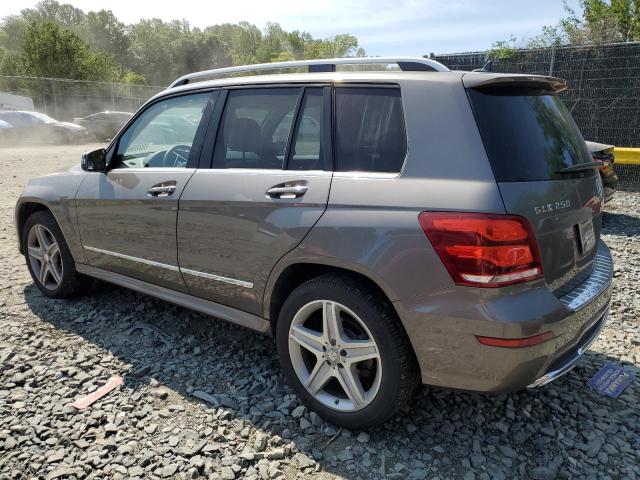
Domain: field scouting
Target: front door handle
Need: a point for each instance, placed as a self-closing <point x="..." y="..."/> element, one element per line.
<point x="163" y="189"/>
<point x="294" y="189"/>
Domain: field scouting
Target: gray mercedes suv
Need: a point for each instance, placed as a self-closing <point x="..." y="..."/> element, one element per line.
<point x="398" y="225"/>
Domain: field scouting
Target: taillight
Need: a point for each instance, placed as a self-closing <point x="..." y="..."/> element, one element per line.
<point x="484" y="249"/>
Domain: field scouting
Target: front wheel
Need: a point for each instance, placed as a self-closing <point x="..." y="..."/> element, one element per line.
<point x="48" y="258"/>
<point x="345" y="352"/>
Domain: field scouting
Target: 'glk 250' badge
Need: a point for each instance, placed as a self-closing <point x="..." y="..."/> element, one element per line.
<point x="550" y="207"/>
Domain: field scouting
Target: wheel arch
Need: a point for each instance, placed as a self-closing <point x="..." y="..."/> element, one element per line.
<point x="290" y="276"/>
<point x="24" y="211"/>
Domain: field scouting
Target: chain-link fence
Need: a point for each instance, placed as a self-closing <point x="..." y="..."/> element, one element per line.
<point x="65" y="99"/>
<point x="603" y="80"/>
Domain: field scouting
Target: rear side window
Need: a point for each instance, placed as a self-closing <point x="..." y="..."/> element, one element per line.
<point x="370" y="134"/>
<point x="255" y="128"/>
<point x="528" y="134"/>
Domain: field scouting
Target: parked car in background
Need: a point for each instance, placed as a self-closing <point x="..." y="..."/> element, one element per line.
<point x="39" y="127"/>
<point x="606" y="154"/>
<point x="104" y="125"/>
<point x="5" y="132"/>
<point x="315" y="207"/>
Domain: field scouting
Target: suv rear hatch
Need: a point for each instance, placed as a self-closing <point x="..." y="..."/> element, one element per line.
<point x="541" y="164"/>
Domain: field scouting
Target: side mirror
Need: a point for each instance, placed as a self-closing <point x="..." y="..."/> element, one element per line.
<point x="94" y="161"/>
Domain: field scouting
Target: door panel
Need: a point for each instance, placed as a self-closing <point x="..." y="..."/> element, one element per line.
<point x="129" y="231"/>
<point x="127" y="217"/>
<point x="231" y="232"/>
<point x="239" y="218"/>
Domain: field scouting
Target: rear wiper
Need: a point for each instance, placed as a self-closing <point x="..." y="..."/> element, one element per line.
<point x="580" y="167"/>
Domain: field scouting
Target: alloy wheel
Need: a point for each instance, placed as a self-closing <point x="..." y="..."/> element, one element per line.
<point x="335" y="355"/>
<point x="44" y="257"/>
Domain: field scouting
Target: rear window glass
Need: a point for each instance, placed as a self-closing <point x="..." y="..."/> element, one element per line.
<point x="370" y="132"/>
<point x="255" y="128"/>
<point x="528" y="134"/>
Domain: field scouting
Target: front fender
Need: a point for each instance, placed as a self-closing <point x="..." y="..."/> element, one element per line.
<point x="56" y="193"/>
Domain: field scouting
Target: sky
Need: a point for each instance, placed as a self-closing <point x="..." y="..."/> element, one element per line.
<point x="386" y="27"/>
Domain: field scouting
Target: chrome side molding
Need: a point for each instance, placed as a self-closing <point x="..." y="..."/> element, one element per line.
<point x="144" y="261"/>
<point x="218" y="278"/>
<point x="174" y="268"/>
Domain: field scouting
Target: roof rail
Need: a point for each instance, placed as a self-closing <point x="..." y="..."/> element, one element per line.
<point x="407" y="64"/>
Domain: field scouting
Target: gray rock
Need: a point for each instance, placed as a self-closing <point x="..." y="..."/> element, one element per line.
<point x="61" y="472"/>
<point x="169" y="470"/>
<point x="227" y="473"/>
<point x="543" y="473"/>
<point x="345" y="455"/>
<point x="206" y="397"/>
<point x="298" y="412"/>
<point x="508" y="452"/>
<point x="477" y="460"/>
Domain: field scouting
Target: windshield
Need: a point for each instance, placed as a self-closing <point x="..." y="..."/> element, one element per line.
<point x="528" y="134"/>
<point x="43" y="117"/>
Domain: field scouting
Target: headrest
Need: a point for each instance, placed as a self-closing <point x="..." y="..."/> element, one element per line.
<point x="245" y="135"/>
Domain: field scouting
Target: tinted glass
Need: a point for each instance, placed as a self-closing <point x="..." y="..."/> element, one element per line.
<point x="13" y="118"/>
<point x="370" y="133"/>
<point x="306" y="153"/>
<point x="37" y="117"/>
<point x="529" y="135"/>
<point x="163" y="134"/>
<point x="255" y="128"/>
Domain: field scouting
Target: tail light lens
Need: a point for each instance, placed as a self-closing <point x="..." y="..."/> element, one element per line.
<point x="483" y="249"/>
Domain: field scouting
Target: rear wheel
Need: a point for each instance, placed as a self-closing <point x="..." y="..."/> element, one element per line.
<point x="48" y="258"/>
<point x="345" y="352"/>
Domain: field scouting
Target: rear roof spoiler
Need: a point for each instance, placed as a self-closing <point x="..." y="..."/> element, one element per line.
<point x="489" y="80"/>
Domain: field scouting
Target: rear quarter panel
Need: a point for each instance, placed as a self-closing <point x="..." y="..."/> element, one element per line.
<point x="371" y="223"/>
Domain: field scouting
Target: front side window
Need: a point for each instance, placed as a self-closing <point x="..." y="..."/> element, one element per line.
<point x="163" y="134"/>
<point x="370" y="134"/>
<point x="255" y="128"/>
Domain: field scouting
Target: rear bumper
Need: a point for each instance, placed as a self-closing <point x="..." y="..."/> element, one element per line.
<point x="565" y="363"/>
<point x="443" y="331"/>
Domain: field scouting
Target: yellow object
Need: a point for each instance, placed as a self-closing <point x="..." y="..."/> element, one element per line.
<point x="627" y="156"/>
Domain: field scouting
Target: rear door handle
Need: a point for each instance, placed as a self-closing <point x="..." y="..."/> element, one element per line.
<point x="163" y="189"/>
<point x="289" y="189"/>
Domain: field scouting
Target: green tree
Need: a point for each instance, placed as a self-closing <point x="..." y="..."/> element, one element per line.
<point x="50" y="51"/>
<point x="133" y="78"/>
<point x="599" y="21"/>
<point x="103" y="31"/>
<point x="12" y="31"/>
<point x="62" y="14"/>
<point x="58" y="39"/>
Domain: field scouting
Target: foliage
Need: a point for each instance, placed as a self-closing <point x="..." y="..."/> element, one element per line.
<point x="150" y="50"/>
<point x="51" y="51"/>
<point x="600" y="21"/>
<point x="502" y="49"/>
<point x="133" y="78"/>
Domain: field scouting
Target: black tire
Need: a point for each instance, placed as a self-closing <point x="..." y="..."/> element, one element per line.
<point x="400" y="376"/>
<point x="72" y="283"/>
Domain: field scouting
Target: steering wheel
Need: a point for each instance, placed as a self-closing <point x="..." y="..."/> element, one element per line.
<point x="181" y="154"/>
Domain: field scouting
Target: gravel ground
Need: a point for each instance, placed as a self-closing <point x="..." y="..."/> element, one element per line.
<point x="251" y="425"/>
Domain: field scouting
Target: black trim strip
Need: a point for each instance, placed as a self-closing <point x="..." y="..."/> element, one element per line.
<point x="203" y="127"/>
<point x="206" y="158"/>
<point x="293" y="129"/>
